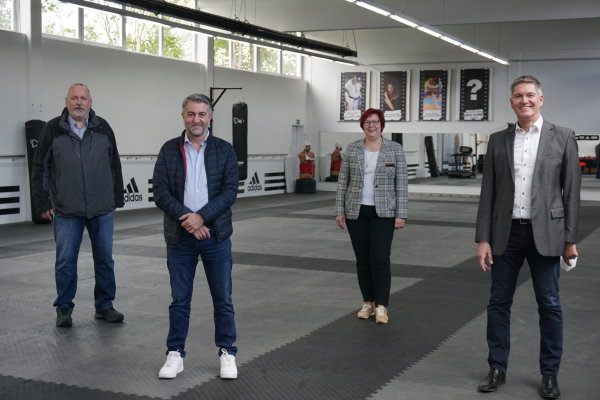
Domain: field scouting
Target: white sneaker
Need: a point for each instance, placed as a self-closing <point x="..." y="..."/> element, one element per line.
<point x="172" y="367"/>
<point x="228" y="367"/>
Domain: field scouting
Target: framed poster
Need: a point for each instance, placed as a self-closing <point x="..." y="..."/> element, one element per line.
<point x="433" y="95"/>
<point x="393" y="95"/>
<point x="474" y="95"/>
<point x="353" y="95"/>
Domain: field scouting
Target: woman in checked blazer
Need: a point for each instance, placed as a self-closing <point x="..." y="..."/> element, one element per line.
<point x="372" y="199"/>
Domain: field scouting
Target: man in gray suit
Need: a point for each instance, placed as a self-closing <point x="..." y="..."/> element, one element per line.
<point x="527" y="210"/>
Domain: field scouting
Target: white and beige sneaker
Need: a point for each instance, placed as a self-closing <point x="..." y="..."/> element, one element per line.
<point x="172" y="367"/>
<point x="367" y="311"/>
<point x="228" y="367"/>
<point x="381" y="315"/>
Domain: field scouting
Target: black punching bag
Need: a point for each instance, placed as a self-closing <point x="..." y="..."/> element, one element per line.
<point x="33" y="128"/>
<point x="240" y="137"/>
<point x="433" y="169"/>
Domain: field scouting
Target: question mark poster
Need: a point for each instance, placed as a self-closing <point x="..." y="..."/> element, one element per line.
<point x="433" y="95"/>
<point x="474" y="94"/>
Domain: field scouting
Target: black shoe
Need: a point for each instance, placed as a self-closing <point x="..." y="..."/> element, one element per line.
<point x="63" y="317"/>
<point x="549" y="389"/>
<point x="110" y="315"/>
<point x="494" y="379"/>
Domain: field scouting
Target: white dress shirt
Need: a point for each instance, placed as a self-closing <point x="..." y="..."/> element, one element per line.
<point x="196" y="186"/>
<point x="525" y="153"/>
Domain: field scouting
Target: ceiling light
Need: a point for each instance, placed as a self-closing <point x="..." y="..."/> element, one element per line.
<point x="429" y="31"/>
<point x="413" y="23"/>
<point x="469" y="48"/>
<point x="450" y="40"/>
<point x="403" y="21"/>
<point x="372" y="8"/>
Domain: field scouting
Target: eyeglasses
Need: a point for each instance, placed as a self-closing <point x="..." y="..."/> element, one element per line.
<point x="372" y="122"/>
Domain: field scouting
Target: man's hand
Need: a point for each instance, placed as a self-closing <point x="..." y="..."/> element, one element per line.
<point x="191" y="222"/>
<point x="569" y="253"/>
<point x="48" y="215"/>
<point x="484" y="251"/>
<point x="202" y="233"/>
<point x="340" y="220"/>
<point x="399" y="223"/>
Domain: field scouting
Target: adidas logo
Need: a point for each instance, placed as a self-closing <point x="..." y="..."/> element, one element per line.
<point x="254" y="185"/>
<point x="132" y="192"/>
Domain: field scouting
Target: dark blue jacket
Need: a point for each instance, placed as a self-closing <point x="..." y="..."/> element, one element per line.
<point x="77" y="177"/>
<point x="168" y="187"/>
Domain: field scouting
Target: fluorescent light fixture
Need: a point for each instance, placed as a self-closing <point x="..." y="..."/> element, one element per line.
<point x="413" y="23"/>
<point x="343" y="63"/>
<point x="373" y="8"/>
<point x="469" y="48"/>
<point x="486" y="55"/>
<point x="403" y="20"/>
<point x="501" y="61"/>
<point x="450" y="40"/>
<point x="429" y="31"/>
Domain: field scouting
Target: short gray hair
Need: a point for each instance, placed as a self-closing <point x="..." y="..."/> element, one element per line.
<point x="79" y="84"/>
<point x="526" y="79"/>
<point x="197" y="98"/>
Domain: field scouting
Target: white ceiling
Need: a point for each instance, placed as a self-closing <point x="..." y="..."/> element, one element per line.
<point x="334" y="15"/>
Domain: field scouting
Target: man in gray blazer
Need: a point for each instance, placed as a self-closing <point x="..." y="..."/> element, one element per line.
<point x="527" y="210"/>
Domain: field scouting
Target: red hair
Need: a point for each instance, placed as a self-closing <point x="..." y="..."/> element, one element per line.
<point x="370" y="112"/>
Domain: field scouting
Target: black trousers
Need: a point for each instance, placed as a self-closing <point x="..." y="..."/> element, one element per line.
<point x="371" y="238"/>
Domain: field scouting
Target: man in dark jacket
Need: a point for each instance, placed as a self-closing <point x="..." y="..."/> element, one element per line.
<point x="195" y="183"/>
<point x="77" y="182"/>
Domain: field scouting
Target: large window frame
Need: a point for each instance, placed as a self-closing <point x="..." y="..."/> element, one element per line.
<point x="155" y="43"/>
<point x="224" y="54"/>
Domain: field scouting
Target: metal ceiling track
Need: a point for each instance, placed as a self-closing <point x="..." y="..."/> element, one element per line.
<point x="237" y="27"/>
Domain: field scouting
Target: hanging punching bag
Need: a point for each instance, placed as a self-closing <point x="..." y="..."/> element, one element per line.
<point x="240" y="137"/>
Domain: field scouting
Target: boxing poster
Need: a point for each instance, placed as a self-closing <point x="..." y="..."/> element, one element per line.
<point x="393" y="94"/>
<point x="353" y="95"/>
<point x="239" y="115"/>
<point x="474" y="94"/>
<point x="433" y="95"/>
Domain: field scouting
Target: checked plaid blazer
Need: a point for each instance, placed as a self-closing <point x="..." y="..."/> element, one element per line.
<point x="391" y="181"/>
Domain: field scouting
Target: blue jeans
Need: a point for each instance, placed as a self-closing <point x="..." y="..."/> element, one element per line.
<point x="182" y="262"/>
<point x="545" y="273"/>
<point x="68" y="233"/>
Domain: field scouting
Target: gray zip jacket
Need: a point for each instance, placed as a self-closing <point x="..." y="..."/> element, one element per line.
<point x="77" y="177"/>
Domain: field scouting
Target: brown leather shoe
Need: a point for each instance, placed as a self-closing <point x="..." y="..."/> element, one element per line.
<point x="494" y="379"/>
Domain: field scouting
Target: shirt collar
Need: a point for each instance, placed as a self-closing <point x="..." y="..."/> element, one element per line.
<point x="186" y="140"/>
<point x="538" y="124"/>
<point x="73" y="124"/>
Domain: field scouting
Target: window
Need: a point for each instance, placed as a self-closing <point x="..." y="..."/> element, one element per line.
<point x="102" y="27"/>
<point x="7" y="14"/>
<point x="268" y="59"/>
<point x="142" y="36"/>
<point x="242" y="56"/>
<point x="178" y="43"/>
<point x="290" y="64"/>
<point x="221" y="52"/>
<point x="239" y="55"/>
<point x="60" y="19"/>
